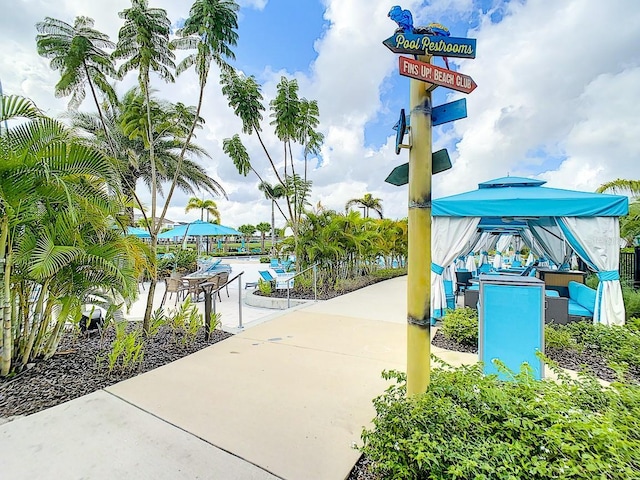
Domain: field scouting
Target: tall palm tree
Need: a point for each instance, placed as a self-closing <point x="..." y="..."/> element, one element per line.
<point x="621" y="185"/>
<point x="211" y="30"/>
<point x="203" y="205"/>
<point x="77" y="51"/>
<point x="307" y="134"/>
<point x="143" y="44"/>
<point x="368" y="202"/>
<point x="132" y="157"/>
<point x="245" y="97"/>
<point x="273" y="192"/>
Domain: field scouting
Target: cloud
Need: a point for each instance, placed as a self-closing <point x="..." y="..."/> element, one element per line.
<point x="557" y="96"/>
<point x="549" y="83"/>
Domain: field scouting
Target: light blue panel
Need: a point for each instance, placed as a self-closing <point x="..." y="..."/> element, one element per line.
<point x="449" y="112"/>
<point x="511" y="327"/>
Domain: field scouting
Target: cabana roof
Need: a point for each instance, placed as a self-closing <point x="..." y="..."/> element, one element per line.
<point x="517" y="197"/>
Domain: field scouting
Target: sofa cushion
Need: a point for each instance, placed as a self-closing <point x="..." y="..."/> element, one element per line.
<point x="582" y="295"/>
<point x="577" y="310"/>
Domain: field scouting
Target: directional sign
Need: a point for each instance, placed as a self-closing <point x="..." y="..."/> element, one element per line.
<point x="401" y="128"/>
<point x="449" y="112"/>
<point x="440" y="162"/>
<point x="419" y="44"/>
<point x="436" y="75"/>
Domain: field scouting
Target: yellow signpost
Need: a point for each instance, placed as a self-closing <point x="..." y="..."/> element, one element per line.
<point x="419" y="268"/>
<point x="423" y="42"/>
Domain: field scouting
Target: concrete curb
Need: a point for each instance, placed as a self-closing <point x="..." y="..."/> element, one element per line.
<point x="271" y="302"/>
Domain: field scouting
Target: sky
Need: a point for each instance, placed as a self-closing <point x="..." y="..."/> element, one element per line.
<point x="557" y="96"/>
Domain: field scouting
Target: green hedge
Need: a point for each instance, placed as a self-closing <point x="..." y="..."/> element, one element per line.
<point x="471" y="426"/>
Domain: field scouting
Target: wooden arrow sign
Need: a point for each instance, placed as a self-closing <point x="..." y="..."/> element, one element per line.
<point x="436" y="75"/>
<point x="420" y="44"/>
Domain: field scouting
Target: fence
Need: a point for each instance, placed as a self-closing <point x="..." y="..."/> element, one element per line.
<point x="630" y="267"/>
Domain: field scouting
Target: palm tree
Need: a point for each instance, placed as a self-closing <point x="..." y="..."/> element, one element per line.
<point x="203" y="205"/>
<point x="621" y="186"/>
<point x="273" y="192"/>
<point x="143" y="44"/>
<point x="307" y="134"/>
<point x="211" y="30"/>
<point x="132" y="157"/>
<point x="247" y="231"/>
<point x="58" y="198"/>
<point x="263" y="228"/>
<point x="245" y="97"/>
<point x="77" y="51"/>
<point x="368" y="202"/>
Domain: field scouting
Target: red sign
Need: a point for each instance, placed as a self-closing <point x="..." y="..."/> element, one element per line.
<point x="436" y="75"/>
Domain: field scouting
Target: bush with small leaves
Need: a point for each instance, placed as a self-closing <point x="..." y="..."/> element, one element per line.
<point x="461" y="325"/>
<point x="470" y="425"/>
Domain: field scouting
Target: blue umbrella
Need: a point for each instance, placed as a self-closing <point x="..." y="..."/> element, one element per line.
<point x="138" y="232"/>
<point x="199" y="228"/>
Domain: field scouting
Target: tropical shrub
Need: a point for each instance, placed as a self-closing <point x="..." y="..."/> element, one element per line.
<point x="180" y="261"/>
<point x="127" y="349"/>
<point x="633" y="324"/>
<point x="347" y="246"/>
<point x="461" y="325"/>
<point x="185" y="323"/>
<point x="59" y="244"/>
<point x="265" y="287"/>
<point x="468" y="425"/>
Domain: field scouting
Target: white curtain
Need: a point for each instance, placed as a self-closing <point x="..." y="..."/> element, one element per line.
<point x="483" y="247"/>
<point x="450" y="235"/>
<point x="501" y="247"/>
<point x="551" y="239"/>
<point x="596" y="240"/>
<point x="530" y="259"/>
<point x="471" y="244"/>
<point x="504" y="242"/>
<point x="530" y="241"/>
<point x="497" y="260"/>
<point x="471" y="264"/>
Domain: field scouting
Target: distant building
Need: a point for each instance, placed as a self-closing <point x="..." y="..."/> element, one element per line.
<point x="166" y="223"/>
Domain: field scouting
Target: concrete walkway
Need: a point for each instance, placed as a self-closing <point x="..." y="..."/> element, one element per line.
<point x="286" y="398"/>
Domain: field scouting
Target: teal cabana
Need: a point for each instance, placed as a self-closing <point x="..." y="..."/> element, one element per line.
<point x="587" y="222"/>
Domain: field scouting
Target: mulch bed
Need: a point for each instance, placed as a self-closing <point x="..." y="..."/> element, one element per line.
<point x="73" y="371"/>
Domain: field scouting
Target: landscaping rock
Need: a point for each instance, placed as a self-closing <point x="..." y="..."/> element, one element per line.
<point x="73" y="371"/>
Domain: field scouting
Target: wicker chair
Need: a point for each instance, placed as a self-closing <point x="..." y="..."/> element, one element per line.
<point x="223" y="278"/>
<point x="174" y="285"/>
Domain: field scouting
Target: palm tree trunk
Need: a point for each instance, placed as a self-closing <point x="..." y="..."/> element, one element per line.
<point x="273" y="226"/>
<point x="152" y="284"/>
<point x="95" y="99"/>
<point x="7" y="342"/>
<point x="153" y="231"/>
<point x="37" y="322"/>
